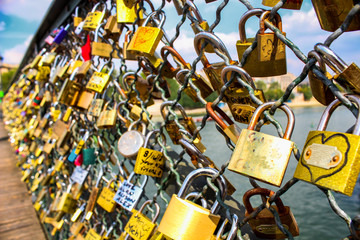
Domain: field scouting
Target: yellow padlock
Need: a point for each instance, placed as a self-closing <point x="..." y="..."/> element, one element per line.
<point x="106" y="198"/>
<point x="94" y="18"/>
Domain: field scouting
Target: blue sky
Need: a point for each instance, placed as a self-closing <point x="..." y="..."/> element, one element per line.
<point x="19" y="20"/>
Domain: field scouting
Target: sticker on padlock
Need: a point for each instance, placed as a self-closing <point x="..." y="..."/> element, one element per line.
<point x="129" y="194"/>
<point x="148" y="161"/>
<point x="79" y="175"/>
<point x="330" y="159"/>
<point x="262" y="156"/>
<point x="140" y="227"/>
<point x="184" y="219"/>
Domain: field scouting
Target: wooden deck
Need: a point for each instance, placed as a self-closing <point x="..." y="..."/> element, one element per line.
<point x="18" y="219"/>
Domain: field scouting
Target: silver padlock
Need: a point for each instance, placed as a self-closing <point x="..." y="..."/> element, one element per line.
<point x="131" y="141"/>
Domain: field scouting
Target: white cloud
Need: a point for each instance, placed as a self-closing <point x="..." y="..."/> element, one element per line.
<point x="14" y="55"/>
<point x="2" y="26"/>
<point x="26" y="9"/>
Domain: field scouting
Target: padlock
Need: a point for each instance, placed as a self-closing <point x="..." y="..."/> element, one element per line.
<point x="264" y="224"/>
<point x="149" y="161"/>
<point x="96" y="106"/>
<point x="94" y="18"/>
<point x="70" y="91"/>
<point x="93" y="195"/>
<point x="330" y="159"/>
<point x="66" y="202"/>
<point x="289" y="4"/>
<point x="237" y="96"/>
<point x="346" y="75"/>
<point x="124" y="120"/>
<point x="253" y="65"/>
<point x="47" y="59"/>
<point x="85" y="99"/>
<point x="231" y="130"/>
<point x="93" y="235"/>
<point x="271" y="48"/>
<point x="184" y="219"/>
<point x="102" y="49"/>
<point x="83" y="69"/>
<point x="107" y="118"/>
<point x="36" y="60"/>
<point x="131" y="141"/>
<point x="126" y="12"/>
<point x="146" y="38"/>
<point x="213" y="70"/>
<point x="128" y="194"/>
<point x="140" y="85"/>
<point x="140" y="227"/>
<point x="105" y="199"/>
<point x="172" y="128"/>
<point x="88" y="153"/>
<point x="73" y="64"/>
<point x="43" y="73"/>
<point x="61" y="34"/>
<point x="332" y="13"/>
<point x="99" y="80"/>
<point x="261" y="156"/>
<point x="319" y="90"/>
<point x="112" y="29"/>
<point x="77" y="20"/>
<point x="128" y="55"/>
<point x="232" y="234"/>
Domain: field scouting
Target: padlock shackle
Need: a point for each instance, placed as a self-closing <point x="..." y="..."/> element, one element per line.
<point x="243" y="74"/>
<point x="121" y="117"/>
<point x="234" y="226"/>
<point x="192" y="150"/>
<point x="263" y="17"/>
<point x="331" y="108"/>
<point x="96" y="37"/>
<point x="135" y="123"/>
<point x="143" y="183"/>
<point x="289" y="113"/>
<point x="148" y="202"/>
<point x="319" y="59"/>
<point x="160" y="13"/>
<point x="211" y="111"/>
<point x="150" y="4"/>
<point x="334" y="61"/>
<point x="126" y="76"/>
<point x="179" y="74"/>
<point x="244" y="18"/>
<point x="213" y="40"/>
<point x="193" y="9"/>
<point x="264" y="192"/>
<point x="209" y="172"/>
<point x="177" y="106"/>
<point x="153" y="132"/>
<point x="173" y="53"/>
<point x="194" y="195"/>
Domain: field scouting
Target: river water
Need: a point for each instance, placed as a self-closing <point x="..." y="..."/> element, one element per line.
<point x="309" y="205"/>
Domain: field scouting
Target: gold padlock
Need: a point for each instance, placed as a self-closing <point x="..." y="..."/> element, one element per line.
<point x="319" y="90"/>
<point x="85" y="99"/>
<point x="107" y="118"/>
<point x="99" y="80"/>
<point x="103" y="49"/>
<point x="112" y="29"/>
<point x="126" y="12"/>
<point x="36" y="60"/>
<point x="128" y="55"/>
<point x="262" y="156"/>
<point x="346" y="75"/>
<point x="77" y="19"/>
<point x="70" y="91"/>
<point x="237" y="95"/>
<point x="231" y="130"/>
<point x="146" y="38"/>
<point x="332" y="13"/>
<point x="184" y="219"/>
<point x="105" y="199"/>
<point x="172" y="128"/>
<point x="139" y="227"/>
<point x="264" y="224"/>
<point x="289" y="4"/>
<point x="331" y="159"/>
<point x="141" y="85"/>
<point x="212" y="71"/>
<point x="94" y="18"/>
<point x="83" y="69"/>
<point x="253" y="65"/>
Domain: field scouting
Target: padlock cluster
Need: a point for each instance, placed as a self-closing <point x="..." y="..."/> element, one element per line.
<point x="99" y="167"/>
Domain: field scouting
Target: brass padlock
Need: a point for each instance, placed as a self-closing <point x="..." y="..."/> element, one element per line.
<point x="83" y="69"/>
<point x="141" y="85"/>
<point x="95" y="107"/>
<point x="146" y="38"/>
<point x="102" y="49"/>
<point x="331" y="159"/>
<point x="70" y="91"/>
<point x="76" y="19"/>
<point x="99" y="80"/>
<point x="253" y="65"/>
<point x="231" y="130"/>
<point x="140" y="227"/>
<point x="261" y="156"/>
<point x="47" y="59"/>
<point x="105" y="199"/>
<point x="184" y="219"/>
<point x="172" y="128"/>
<point x="128" y="55"/>
<point x="36" y="60"/>
<point x="43" y="73"/>
<point x="270" y="47"/>
<point x="107" y="118"/>
<point x="85" y="99"/>
<point x="66" y="202"/>
<point x="348" y="76"/>
<point x="289" y="4"/>
<point x="332" y="13"/>
<point x="212" y="71"/>
<point x="237" y="95"/>
<point x="126" y="12"/>
<point x="264" y="224"/>
<point x="94" y="18"/>
<point x="112" y="29"/>
<point x="319" y="90"/>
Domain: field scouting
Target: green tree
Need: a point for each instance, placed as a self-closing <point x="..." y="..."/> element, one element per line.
<point x="7" y="77"/>
<point x="306" y="91"/>
<point x="273" y="92"/>
<point x="261" y="85"/>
